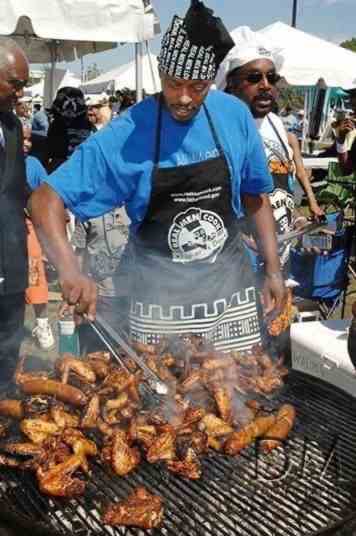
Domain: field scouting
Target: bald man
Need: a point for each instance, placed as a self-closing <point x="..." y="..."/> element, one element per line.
<point x="14" y="74"/>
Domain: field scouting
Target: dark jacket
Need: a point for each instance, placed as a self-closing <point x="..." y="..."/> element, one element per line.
<point x="13" y="246"/>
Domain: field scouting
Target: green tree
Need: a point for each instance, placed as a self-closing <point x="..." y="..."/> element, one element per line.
<point x="350" y="44"/>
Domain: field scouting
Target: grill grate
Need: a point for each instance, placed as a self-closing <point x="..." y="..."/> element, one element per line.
<point x="300" y="490"/>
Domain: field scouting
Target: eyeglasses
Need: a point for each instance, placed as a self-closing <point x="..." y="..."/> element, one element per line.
<point x="17" y="84"/>
<point x="256" y="78"/>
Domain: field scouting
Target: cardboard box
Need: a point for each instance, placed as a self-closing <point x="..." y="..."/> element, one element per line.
<point x="320" y="349"/>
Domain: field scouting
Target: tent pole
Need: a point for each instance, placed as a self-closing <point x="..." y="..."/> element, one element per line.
<point x="139" y="71"/>
<point x="53" y="69"/>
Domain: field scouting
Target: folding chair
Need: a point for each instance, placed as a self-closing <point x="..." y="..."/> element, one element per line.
<point x="323" y="279"/>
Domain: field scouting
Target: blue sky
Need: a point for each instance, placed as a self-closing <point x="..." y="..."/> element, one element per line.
<point x="334" y="20"/>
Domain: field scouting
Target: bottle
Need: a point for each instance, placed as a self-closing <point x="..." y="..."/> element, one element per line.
<point x="68" y="335"/>
<point x="351" y="341"/>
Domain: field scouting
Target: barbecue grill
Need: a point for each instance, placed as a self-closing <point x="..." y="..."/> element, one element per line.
<point x="304" y="488"/>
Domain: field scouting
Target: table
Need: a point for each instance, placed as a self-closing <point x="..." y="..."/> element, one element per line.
<point x="320" y="349"/>
<point x="318" y="163"/>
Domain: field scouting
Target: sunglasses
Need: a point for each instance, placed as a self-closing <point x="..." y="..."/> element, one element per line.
<point x="17" y="84"/>
<point x="256" y="78"/>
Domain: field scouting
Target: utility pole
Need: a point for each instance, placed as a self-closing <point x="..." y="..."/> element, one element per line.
<point x="294" y="16"/>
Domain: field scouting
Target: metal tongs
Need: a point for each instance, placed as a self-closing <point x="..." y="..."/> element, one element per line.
<point x="298" y="233"/>
<point x="105" y="332"/>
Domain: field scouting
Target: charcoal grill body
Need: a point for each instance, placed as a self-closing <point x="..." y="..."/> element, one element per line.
<point x="308" y="487"/>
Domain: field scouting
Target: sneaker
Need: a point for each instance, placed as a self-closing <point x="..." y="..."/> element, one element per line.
<point x="44" y="336"/>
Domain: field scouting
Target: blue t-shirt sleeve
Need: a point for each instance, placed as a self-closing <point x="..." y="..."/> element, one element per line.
<point x="97" y="178"/>
<point x="256" y="178"/>
<point x="35" y="172"/>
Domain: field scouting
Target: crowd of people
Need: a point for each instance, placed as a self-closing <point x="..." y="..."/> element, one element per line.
<point x="158" y="213"/>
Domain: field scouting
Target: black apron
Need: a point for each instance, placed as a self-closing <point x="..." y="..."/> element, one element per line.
<point x="282" y="199"/>
<point x="191" y="273"/>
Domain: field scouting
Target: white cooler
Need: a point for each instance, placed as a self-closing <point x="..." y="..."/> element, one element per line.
<point x="320" y="349"/>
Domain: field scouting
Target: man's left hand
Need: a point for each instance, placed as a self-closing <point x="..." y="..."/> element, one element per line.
<point x="274" y="294"/>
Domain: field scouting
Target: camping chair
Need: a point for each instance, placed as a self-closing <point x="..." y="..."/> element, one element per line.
<point x="323" y="279"/>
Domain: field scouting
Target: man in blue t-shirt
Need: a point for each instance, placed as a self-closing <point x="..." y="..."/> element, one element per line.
<point x="187" y="164"/>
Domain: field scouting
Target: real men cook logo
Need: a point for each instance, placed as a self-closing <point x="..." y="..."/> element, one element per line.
<point x="197" y="235"/>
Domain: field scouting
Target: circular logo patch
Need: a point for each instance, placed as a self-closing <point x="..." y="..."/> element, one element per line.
<point x="197" y="235"/>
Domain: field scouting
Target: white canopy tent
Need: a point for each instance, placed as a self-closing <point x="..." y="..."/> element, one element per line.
<point x="63" y="30"/>
<point x="125" y="77"/>
<point x="308" y="58"/>
<point x="63" y="77"/>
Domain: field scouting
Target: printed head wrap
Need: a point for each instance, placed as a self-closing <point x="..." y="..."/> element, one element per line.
<point x="194" y="47"/>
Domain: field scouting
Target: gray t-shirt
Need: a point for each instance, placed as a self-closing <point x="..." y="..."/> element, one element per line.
<point x="102" y="241"/>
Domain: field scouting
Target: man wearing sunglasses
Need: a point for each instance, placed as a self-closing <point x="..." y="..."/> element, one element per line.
<point x="13" y="253"/>
<point x="251" y="73"/>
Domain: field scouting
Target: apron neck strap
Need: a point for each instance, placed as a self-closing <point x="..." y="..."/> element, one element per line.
<point x="159" y="128"/>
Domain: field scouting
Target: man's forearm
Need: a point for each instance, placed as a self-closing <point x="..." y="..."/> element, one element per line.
<point x="259" y="209"/>
<point x="49" y="218"/>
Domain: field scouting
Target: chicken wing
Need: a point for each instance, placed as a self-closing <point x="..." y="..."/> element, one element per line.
<point x="214" y="426"/>
<point x="188" y="468"/>
<point x="141" y="509"/>
<point x="63" y="419"/>
<point x="123" y="457"/>
<point x="38" y="430"/>
<point x="58" y="481"/>
<point x="70" y="364"/>
<point x="245" y="437"/>
<point x="92" y="413"/>
<point x="163" y="448"/>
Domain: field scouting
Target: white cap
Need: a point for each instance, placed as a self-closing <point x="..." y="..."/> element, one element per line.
<point x="250" y="46"/>
<point x="97" y="100"/>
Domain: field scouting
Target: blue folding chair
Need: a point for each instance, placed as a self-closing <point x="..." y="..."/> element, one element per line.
<point x="323" y="279"/>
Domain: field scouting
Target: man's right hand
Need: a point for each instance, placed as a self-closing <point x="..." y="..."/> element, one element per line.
<point x="80" y="291"/>
<point x="345" y="126"/>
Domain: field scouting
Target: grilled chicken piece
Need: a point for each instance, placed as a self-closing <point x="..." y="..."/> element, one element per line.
<point x="216" y="443"/>
<point x="218" y="363"/>
<point x="101" y="355"/>
<point x="58" y="481"/>
<point x="104" y="428"/>
<point x="269" y="382"/>
<point x="245" y="437"/>
<point x="12" y="409"/>
<point x="92" y="413"/>
<point x="223" y="401"/>
<point x="168" y="360"/>
<point x="163" y="448"/>
<point x="142" y="348"/>
<point x="141" y="509"/>
<point x="142" y="433"/>
<point x="123" y="457"/>
<point x="119" y="379"/>
<point x="37" y="405"/>
<point x="62" y="418"/>
<point x="214" y="426"/>
<point x="99" y="363"/>
<point x="188" y="468"/>
<point x="22" y="449"/>
<point x="198" y="441"/>
<point x="38" y="430"/>
<point x="100" y="368"/>
<point x="118" y="403"/>
<point x="279" y="431"/>
<point x="192" y="382"/>
<point x="82" y="447"/>
<point x="70" y="364"/>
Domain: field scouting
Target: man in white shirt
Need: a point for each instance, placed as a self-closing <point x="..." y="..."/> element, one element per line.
<point x="251" y="73"/>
